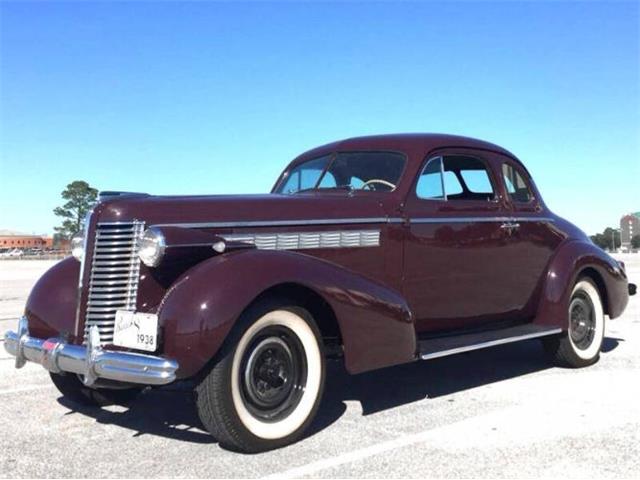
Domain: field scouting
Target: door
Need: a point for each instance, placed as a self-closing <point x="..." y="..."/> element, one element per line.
<point x="455" y="238"/>
<point x="532" y="241"/>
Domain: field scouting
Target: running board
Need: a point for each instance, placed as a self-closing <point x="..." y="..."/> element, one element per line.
<point x="443" y="346"/>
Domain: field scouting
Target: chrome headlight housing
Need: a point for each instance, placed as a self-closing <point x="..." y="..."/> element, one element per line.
<point x="152" y="247"/>
<point x="77" y="245"/>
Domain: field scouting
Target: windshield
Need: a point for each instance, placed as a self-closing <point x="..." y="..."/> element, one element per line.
<point x="369" y="171"/>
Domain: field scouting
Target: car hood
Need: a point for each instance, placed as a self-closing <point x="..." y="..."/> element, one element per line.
<point x="240" y="209"/>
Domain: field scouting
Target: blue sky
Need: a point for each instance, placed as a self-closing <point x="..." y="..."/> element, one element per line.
<point x="209" y="97"/>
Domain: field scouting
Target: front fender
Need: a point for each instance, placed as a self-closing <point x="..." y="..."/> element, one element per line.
<point x="51" y="306"/>
<point x="202" y="306"/>
<point x="572" y="259"/>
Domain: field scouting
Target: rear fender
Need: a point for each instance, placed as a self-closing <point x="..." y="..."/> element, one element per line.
<point x="203" y="305"/>
<point x="575" y="258"/>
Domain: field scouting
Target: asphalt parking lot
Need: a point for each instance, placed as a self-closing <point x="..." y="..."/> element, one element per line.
<point x="501" y="412"/>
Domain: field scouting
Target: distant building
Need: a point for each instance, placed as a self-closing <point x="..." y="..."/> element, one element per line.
<point x="11" y="239"/>
<point x="629" y="228"/>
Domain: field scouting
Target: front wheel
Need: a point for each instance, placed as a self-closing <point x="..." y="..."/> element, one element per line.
<point x="580" y="345"/>
<point x="266" y="385"/>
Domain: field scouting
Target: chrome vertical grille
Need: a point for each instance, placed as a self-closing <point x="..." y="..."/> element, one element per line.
<point x="113" y="282"/>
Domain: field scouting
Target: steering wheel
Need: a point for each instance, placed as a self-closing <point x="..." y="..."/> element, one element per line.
<point x="368" y="184"/>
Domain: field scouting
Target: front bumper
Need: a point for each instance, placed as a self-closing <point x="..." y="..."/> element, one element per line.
<point x="90" y="361"/>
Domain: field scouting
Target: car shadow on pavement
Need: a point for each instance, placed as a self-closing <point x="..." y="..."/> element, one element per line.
<point x="610" y="343"/>
<point x="166" y="412"/>
<point x="170" y="411"/>
<point x="391" y="387"/>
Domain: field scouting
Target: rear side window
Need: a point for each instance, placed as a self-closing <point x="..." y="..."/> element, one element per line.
<point x="517" y="187"/>
<point x="455" y="178"/>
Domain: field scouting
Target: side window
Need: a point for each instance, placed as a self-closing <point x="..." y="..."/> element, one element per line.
<point x="430" y="184"/>
<point x="461" y="178"/>
<point x="451" y="184"/>
<point x="473" y="178"/>
<point x="477" y="181"/>
<point x="517" y="187"/>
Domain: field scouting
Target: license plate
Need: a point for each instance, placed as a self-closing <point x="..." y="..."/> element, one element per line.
<point x="136" y="330"/>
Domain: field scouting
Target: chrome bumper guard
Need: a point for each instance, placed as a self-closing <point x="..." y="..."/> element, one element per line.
<point x="90" y="361"/>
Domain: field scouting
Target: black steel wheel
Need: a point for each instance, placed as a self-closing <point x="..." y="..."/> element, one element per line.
<point x="274" y="373"/>
<point x="582" y="320"/>
<point x="266" y="383"/>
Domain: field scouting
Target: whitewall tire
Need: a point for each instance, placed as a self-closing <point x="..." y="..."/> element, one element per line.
<point x="580" y="345"/>
<point x="265" y="387"/>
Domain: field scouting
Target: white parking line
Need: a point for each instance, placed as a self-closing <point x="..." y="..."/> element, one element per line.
<point x="360" y="454"/>
<point x="24" y="389"/>
<point x="349" y="457"/>
<point x="523" y="424"/>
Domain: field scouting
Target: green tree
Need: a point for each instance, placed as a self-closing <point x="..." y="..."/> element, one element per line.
<point x="612" y="237"/>
<point x="80" y="197"/>
<point x="599" y="240"/>
<point x="607" y="239"/>
<point x="635" y="241"/>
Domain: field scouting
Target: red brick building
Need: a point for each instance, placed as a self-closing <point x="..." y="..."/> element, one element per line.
<point x="10" y="239"/>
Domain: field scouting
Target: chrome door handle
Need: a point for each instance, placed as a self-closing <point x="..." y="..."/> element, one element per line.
<point x="510" y="226"/>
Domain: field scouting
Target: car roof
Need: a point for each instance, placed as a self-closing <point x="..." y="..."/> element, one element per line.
<point x="414" y="144"/>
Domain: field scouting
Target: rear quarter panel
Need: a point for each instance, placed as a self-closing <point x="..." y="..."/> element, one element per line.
<point x="573" y="259"/>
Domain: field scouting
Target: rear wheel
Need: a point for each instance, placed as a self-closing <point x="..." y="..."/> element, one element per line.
<point x="580" y="345"/>
<point x="73" y="389"/>
<point x="266" y="385"/>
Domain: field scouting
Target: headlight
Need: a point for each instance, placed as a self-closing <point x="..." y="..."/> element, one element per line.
<point x="152" y="247"/>
<point x="77" y="246"/>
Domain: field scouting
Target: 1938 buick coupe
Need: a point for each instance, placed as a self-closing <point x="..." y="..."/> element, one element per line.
<point x="384" y="249"/>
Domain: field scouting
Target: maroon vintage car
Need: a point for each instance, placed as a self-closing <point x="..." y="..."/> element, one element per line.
<point x="384" y="249"/>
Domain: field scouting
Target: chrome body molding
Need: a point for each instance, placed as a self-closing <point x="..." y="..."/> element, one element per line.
<point x="479" y="219"/>
<point x="308" y="240"/>
<point x="490" y="343"/>
<point x="114" y="272"/>
<point x="279" y="223"/>
<point x="92" y="362"/>
<point x="350" y="221"/>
